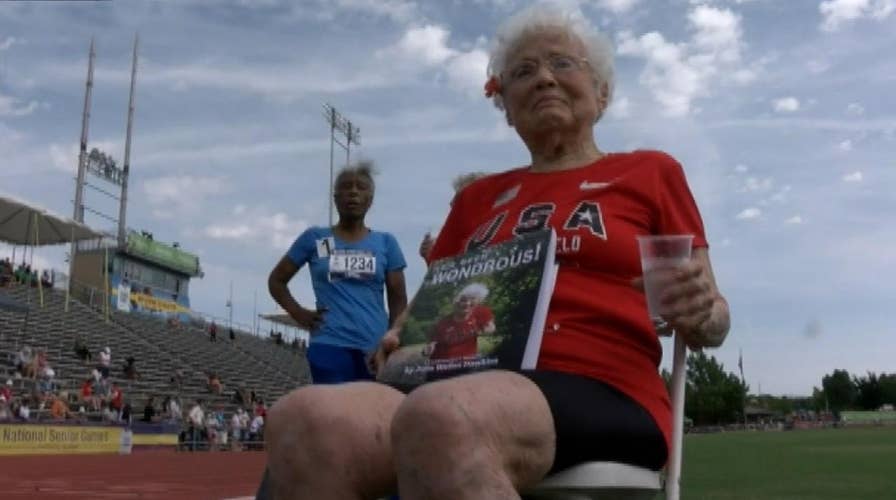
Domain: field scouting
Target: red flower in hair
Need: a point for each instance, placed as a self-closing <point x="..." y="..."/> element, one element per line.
<point x="492" y="86"/>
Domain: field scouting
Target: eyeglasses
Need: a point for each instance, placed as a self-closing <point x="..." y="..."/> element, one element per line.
<point x="558" y="64"/>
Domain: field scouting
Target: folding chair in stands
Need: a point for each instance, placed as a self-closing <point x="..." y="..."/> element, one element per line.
<point x="616" y="481"/>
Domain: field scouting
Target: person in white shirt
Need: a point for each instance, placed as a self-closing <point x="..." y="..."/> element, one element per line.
<point x="105" y="361"/>
<point x="197" y="420"/>
<point x="236" y="425"/>
<point x="256" y="431"/>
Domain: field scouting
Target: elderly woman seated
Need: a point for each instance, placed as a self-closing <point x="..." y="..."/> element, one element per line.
<point x="596" y="393"/>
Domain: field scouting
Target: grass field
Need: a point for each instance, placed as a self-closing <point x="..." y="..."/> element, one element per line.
<point x="855" y="464"/>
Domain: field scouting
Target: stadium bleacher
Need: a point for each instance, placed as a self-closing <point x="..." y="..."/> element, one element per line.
<point x="159" y="348"/>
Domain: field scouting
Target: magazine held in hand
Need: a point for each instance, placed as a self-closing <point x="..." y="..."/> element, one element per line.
<point x="482" y="310"/>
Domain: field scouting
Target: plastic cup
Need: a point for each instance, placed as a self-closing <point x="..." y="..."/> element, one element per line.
<point x="661" y="256"/>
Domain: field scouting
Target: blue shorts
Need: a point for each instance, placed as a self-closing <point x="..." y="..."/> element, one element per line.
<point x="332" y="364"/>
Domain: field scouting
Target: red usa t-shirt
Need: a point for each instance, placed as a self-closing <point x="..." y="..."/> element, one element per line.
<point x="597" y="323"/>
<point x="456" y="337"/>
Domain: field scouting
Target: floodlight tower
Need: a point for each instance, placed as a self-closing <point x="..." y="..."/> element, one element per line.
<point x="350" y="134"/>
<point x="126" y="169"/>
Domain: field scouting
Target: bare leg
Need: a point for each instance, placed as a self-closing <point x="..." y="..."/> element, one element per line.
<point x="478" y="436"/>
<point x="332" y="441"/>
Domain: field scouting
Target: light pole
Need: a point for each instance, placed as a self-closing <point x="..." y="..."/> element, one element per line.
<point x="349" y="133"/>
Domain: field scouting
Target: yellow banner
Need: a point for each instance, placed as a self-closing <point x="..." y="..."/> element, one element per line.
<point x="58" y="439"/>
<point x="156" y="304"/>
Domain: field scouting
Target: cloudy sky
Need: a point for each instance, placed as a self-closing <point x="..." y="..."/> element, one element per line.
<point x="782" y="113"/>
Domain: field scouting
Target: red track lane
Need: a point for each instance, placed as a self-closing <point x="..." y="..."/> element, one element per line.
<point x="145" y="475"/>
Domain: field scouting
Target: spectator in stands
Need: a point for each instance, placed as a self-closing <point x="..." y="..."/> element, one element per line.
<point x="116" y="397"/>
<point x="237" y="397"/>
<point x="256" y="432"/>
<point x="232" y="335"/>
<point x="244" y="424"/>
<point x="5" y="412"/>
<point x="6" y="390"/>
<point x="149" y="411"/>
<point x="87" y="397"/>
<point x="81" y="350"/>
<point x="109" y="415"/>
<point x="260" y="408"/>
<point x="236" y="427"/>
<point x="46" y="383"/>
<point x="102" y="388"/>
<point x="349" y="317"/>
<point x="211" y="430"/>
<point x="59" y="409"/>
<point x="46" y="279"/>
<point x="196" y="422"/>
<point x="213" y="332"/>
<point x="39" y="364"/>
<point x="126" y="411"/>
<point x="24" y="362"/>
<point x="129" y="369"/>
<point x="23" y="410"/>
<point x="214" y="383"/>
<point x="177" y="380"/>
<point x="171" y="408"/>
<point x="105" y="362"/>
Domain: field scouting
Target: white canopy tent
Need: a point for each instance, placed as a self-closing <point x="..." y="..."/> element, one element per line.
<point x="24" y="224"/>
<point x="27" y="225"/>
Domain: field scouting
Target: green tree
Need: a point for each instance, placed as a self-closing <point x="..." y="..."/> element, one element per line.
<point x="888" y="388"/>
<point x="869" y="394"/>
<point x="712" y="396"/>
<point x="839" y="390"/>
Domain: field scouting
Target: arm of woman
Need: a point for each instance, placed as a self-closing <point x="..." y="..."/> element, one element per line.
<point x="396" y="295"/>
<point x="277" y="286"/>
<point x="693" y="305"/>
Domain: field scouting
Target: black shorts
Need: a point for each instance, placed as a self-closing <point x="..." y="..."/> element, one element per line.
<point x="596" y="422"/>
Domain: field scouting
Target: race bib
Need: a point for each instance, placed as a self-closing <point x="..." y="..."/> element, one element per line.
<point x="356" y="264"/>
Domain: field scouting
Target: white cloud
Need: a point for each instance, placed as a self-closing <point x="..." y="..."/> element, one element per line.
<point x="845" y="146"/>
<point x="8" y="42"/>
<point x="838" y="12"/>
<point x="428" y="43"/>
<point x="796" y="219"/>
<point x="754" y="184"/>
<point x="673" y="82"/>
<point x="620" y="107"/>
<point x="678" y="73"/>
<point x="786" y="104"/>
<point x="257" y="226"/>
<point x="718" y="32"/>
<point x="426" y="47"/>
<point x="749" y="214"/>
<point x="855" y="109"/>
<point x="741" y="168"/>
<point x="10" y="106"/>
<point x="466" y="71"/>
<point x="398" y="10"/>
<point x="853" y="177"/>
<point x="815" y="66"/>
<point x="182" y="194"/>
<point x="617" y="6"/>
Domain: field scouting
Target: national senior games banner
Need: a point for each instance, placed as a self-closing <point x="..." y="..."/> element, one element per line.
<point x="62" y="439"/>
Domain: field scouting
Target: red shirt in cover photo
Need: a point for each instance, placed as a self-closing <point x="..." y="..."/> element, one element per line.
<point x="455" y="337"/>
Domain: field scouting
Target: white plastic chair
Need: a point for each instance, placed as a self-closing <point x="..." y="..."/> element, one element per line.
<point x="616" y="481"/>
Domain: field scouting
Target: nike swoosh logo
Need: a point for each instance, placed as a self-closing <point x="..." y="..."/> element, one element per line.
<point x="590" y="186"/>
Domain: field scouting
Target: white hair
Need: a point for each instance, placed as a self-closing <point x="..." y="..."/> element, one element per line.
<point x="477" y="291"/>
<point x="551" y="16"/>
<point x="363" y="168"/>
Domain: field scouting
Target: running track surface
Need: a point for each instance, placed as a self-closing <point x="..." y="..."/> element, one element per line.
<point x="167" y="475"/>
